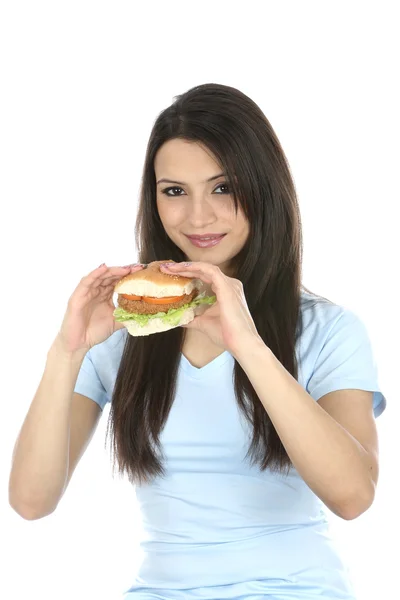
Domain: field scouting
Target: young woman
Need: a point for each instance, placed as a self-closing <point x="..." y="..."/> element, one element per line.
<point x="242" y="429"/>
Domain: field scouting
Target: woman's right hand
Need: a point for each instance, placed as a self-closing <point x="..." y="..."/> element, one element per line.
<point x="89" y="316"/>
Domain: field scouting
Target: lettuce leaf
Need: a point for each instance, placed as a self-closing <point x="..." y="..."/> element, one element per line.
<point x="172" y="317"/>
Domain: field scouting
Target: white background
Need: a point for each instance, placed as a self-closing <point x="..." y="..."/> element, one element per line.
<point x="81" y="85"/>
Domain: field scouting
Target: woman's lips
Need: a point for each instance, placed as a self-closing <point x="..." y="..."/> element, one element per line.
<point x="205" y="241"/>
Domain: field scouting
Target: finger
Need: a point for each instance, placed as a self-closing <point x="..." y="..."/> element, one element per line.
<point x="91" y="277"/>
<point x="96" y="277"/>
<point x="204" y="271"/>
<point x="191" y="325"/>
<point x="100" y="272"/>
<point x="198" y="267"/>
<point x="114" y="275"/>
<point x="118" y="325"/>
<point x="201" y="309"/>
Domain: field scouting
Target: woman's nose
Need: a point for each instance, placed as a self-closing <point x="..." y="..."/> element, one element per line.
<point x="200" y="213"/>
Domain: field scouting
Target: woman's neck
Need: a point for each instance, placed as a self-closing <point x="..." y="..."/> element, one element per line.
<point x="198" y="349"/>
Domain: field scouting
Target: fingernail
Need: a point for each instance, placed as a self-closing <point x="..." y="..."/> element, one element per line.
<point x="102" y="265"/>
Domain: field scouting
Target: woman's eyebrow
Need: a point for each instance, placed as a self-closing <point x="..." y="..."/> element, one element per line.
<point x="183" y="183"/>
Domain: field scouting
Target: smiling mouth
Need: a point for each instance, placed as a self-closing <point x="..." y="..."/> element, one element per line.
<point x="211" y="236"/>
<point x="206" y="241"/>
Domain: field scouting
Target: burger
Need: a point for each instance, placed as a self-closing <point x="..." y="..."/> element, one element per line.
<point x="151" y="301"/>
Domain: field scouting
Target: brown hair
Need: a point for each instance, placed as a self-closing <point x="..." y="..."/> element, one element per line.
<point x="241" y="138"/>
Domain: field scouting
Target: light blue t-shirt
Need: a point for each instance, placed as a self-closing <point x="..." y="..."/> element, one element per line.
<point x="216" y="527"/>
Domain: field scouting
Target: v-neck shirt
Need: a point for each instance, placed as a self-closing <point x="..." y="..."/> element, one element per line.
<point x="216" y="526"/>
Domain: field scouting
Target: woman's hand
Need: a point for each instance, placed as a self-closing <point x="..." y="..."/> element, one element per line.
<point x="228" y="322"/>
<point x="89" y="318"/>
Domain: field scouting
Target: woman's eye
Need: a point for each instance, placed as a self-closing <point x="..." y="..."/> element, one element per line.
<point x="177" y="191"/>
<point x="223" y="185"/>
<point x="167" y="190"/>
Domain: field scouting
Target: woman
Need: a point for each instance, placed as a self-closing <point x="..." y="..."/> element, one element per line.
<point x="241" y="427"/>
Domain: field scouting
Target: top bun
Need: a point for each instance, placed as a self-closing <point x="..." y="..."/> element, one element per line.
<point x="155" y="283"/>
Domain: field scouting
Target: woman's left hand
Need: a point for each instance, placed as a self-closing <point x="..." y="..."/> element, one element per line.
<point x="228" y="322"/>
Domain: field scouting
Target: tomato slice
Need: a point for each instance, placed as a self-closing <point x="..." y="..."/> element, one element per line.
<point x="165" y="300"/>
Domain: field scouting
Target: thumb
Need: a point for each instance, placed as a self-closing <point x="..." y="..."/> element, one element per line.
<point x="190" y="325"/>
<point x="118" y="325"/>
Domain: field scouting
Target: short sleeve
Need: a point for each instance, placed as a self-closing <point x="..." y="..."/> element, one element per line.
<point x="346" y="361"/>
<point x="88" y="382"/>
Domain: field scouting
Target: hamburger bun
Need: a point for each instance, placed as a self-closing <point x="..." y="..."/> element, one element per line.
<point x="153" y="282"/>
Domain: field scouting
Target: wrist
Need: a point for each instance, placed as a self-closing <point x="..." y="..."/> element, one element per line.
<point x="249" y="349"/>
<point x="60" y="352"/>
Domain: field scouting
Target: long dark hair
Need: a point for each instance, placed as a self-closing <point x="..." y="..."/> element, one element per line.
<point x="236" y="131"/>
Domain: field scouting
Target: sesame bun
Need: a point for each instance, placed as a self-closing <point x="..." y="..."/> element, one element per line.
<point x="153" y="282"/>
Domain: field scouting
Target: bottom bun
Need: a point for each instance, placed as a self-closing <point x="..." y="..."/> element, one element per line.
<point x="157" y="325"/>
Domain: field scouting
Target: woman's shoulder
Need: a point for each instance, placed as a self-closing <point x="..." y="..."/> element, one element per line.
<point x="321" y="314"/>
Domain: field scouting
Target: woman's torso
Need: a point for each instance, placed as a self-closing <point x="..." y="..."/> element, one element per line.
<point x="215" y="523"/>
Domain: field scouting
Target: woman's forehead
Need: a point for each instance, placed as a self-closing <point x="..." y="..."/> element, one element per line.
<point x="181" y="158"/>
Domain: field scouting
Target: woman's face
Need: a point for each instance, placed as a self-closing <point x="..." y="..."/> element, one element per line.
<point x="196" y="201"/>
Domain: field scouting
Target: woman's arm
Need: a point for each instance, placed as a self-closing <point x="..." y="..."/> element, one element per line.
<point x="335" y="465"/>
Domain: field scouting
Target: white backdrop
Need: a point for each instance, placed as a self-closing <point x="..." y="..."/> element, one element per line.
<point x="81" y="85"/>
